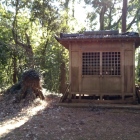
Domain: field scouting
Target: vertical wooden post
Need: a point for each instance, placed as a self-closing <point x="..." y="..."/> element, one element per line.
<point x="80" y="70"/>
<point x="122" y="69"/>
<point x="134" y="95"/>
<point x="101" y="71"/>
<point x="70" y="48"/>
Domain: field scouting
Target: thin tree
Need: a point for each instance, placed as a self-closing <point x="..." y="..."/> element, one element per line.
<point x="124" y="15"/>
<point x="27" y="45"/>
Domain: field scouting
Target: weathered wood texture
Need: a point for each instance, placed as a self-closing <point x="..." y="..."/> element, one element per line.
<point x="102" y="63"/>
<point x="101" y="84"/>
<point x="128" y="72"/>
<point x="75" y="71"/>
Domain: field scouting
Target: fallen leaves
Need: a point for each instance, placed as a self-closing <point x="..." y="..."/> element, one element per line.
<point x="43" y="120"/>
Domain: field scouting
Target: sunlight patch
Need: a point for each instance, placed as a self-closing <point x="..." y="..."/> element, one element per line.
<point x="26" y="114"/>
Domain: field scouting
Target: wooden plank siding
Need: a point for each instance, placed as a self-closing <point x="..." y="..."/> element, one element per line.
<point x="100" y="64"/>
<point x="128" y="68"/>
<point x="75" y="71"/>
<point x="101" y="84"/>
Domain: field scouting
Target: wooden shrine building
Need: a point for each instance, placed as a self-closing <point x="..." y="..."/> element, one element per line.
<point x="101" y="65"/>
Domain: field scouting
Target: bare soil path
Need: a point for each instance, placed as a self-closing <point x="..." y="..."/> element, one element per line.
<point x="43" y="120"/>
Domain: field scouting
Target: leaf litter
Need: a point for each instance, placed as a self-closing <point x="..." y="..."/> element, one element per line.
<point x="44" y="120"/>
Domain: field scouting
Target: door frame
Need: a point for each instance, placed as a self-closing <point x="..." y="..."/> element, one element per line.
<point x="116" y="78"/>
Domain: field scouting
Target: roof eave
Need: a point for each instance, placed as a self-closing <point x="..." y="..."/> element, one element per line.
<point x="63" y="43"/>
<point x="66" y="41"/>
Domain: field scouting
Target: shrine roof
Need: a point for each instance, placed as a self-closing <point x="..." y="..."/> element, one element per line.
<point x="97" y="36"/>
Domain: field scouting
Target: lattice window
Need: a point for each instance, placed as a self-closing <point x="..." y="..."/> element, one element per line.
<point x="111" y="64"/>
<point x="91" y="63"/>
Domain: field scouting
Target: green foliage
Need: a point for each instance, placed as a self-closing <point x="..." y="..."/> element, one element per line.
<point x="109" y="13"/>
<point x="41" y="20"/>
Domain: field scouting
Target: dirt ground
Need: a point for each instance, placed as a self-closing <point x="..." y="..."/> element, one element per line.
<point x="44" y="120"/>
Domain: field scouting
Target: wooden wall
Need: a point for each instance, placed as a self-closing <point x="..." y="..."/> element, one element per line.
<point x="129" y="68"/>
<point x="74" y="67"/>
<point x="123" y="84"/>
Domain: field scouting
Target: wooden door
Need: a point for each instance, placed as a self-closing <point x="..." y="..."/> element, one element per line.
<point x="91" y="72"/>
<point x="101" y="72"/>
<point x="111" y="73"/>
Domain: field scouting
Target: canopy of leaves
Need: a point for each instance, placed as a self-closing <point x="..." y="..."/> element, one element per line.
<point x="108" y="13"/>
<point x="30" y="25"/>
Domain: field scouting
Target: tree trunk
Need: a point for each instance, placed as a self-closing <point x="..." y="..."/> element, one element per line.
<point x="73" y="11"/>
<point x="14" y="68"/>
<point x="62" y="80"/>
<point x="102" y="13"/>
<point x="26" y="46"/>
<point x="124" y="14"/>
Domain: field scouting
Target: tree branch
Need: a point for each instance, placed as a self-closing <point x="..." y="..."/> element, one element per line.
<point x="115" y="24"/>
<point x="27" y="47"/>
<point x="133" y="20"/>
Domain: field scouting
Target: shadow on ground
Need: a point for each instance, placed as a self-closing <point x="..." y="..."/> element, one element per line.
<point x="60" y="123"/>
